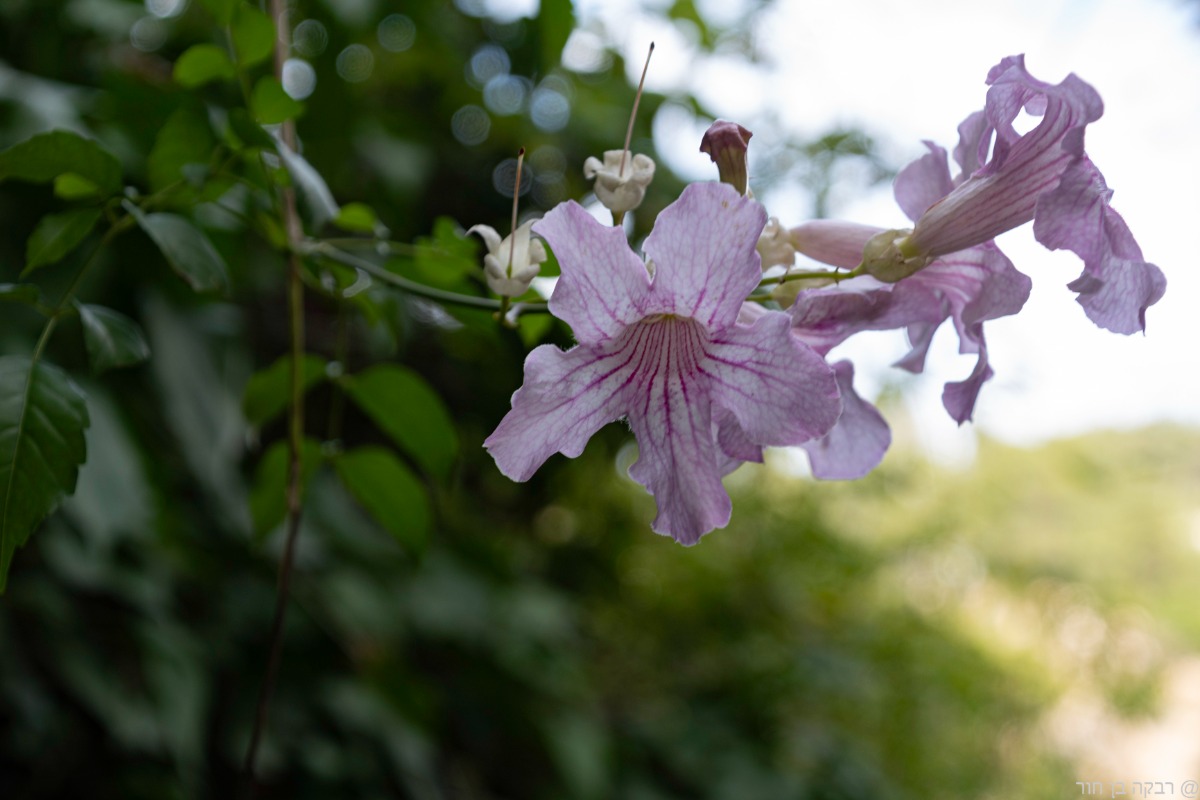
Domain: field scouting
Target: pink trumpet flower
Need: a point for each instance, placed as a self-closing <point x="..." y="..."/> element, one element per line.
<point x="1043" y="175"/>
<point x="659" y="344"/>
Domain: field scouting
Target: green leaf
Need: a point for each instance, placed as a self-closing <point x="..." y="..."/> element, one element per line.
<point x="389" y="491"/>
<point x="56" y="235"/>
<point x="555" y="21"/>
<point x="112" y="339"/>
<point x="356" y="218"/>
<point x="25" y="293"/>
<point x="268" y="495"/>
<point x="267" y="392"/>
<point x="550" y="267"/>
<point x="186" y="248"/>
<point x="222" y="10"/>
<point x="248" y="131"/>
<point x="686" y="10"/>
<point x="43" y="417"/>
<point x="446" y="260"/>
<point x="318" y="200"/>
<point x="201" y="64"/>
<point x="407" y="409"/>
<point x="44" y="157"/>
<point x="253" y="35"/>
<point x="185" y="138"/>
<point x="533" y="328"/>
<point x="271" y="104"/>
<point x="70" y="186"/>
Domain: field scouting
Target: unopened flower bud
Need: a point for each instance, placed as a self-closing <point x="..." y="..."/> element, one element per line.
<point x="621" y="180"/>
<point x="833" y="242"/>
<point x="513" y="262"/>
<point x="726" y="144"/>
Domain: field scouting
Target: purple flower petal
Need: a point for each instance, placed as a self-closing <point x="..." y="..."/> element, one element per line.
<point x="734" y="445"/>
<point x="671" y="416"/>
<point x="923" y="182"/>
<point x="703" y="250"/>
<point x="1003" y="193"/>
<point x="974" y="141"/>
<point x="566" y="398"/>
<point x="1117" y="285"/>
<point x="969" y="287"/>
<point x="856" y="444"/>
<point x="778" y="388"/>
<point x="603" y="284"/>
<point x="959" y="397"/>
<point x="824" y="318"/>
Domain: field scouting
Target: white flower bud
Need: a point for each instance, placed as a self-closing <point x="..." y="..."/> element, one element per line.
<point x="620" y="190"/>
<point x="513" y="262"/>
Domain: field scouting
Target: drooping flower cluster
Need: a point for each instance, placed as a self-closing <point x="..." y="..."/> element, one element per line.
<point x="706" y="378"/>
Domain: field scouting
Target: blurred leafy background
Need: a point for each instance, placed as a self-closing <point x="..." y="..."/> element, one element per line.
<point x="926" y="632"/>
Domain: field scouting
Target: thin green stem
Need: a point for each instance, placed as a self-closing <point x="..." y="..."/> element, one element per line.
<point x="836" y="277"/>
<point x="378" y="245"/>
<point x="325" y="250"/>
<point x="64" y="302"/>
<point x="118" y="225"/>
<point x="243" y="78"/>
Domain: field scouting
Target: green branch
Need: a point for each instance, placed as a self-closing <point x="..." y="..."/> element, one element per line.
<point x="836" y="277"/>
<point x="326" y="250"/>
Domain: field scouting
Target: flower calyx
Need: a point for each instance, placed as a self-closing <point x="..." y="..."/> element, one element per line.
<point x="890" y="257"/>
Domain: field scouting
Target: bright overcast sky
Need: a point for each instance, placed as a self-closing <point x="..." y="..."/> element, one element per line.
<point x="911" y="71"/>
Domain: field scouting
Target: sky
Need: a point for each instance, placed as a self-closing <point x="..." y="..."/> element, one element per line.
<point x="910" y="71"/>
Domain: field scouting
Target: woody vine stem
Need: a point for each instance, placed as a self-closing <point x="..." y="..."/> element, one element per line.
<point x="295" y="233"/>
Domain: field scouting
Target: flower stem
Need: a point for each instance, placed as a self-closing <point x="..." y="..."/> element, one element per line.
<point x="60" y="309"/>
<point x="836" y="277"/>
<point x="326" y="250"/>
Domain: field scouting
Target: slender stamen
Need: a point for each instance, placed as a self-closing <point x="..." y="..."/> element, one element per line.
<point x="512" y="247"/>
<point x="633" y="114"/>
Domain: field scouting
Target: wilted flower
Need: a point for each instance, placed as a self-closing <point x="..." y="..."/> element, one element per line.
<point x="513" y="262"/>
<point x="701" y="391"/>
<point x="621" y="180"/>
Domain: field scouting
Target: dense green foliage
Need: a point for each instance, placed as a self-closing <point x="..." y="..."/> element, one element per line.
<point x="452" y="634"/>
